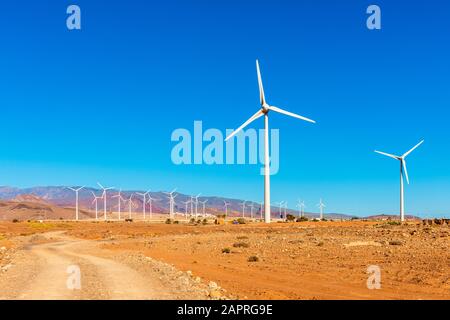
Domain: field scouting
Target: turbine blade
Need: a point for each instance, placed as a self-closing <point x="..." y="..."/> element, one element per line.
<point x="276" y="109"/>
<point x="246" y="123"/>
<point x="388" y="155"/>
<point x="100" y="185"/>
<point x="406" y="170"/>
<point x="415" y="147"/>
<point x="262" y="97"/>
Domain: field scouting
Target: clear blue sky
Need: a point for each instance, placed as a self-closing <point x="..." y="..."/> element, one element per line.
<point x="101" y="103"/>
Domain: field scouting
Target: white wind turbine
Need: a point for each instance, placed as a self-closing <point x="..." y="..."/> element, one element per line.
<point x="171" y="202"/>
<point x="96" y="204"/>
<point x="119" y="202"/>
<point x="252" y="206"/>
<point x="226" y="204"/>
<point x="280" y="204"/>
<point x="196" y="205"/>
<point x="264" y="111"/>
<point x="321" y="205"/>
<point x="76" y="200"/>
<point x="285" y="209"/>
<point x="261" y="210"/>
<point x="150" y="199"/>
<point x="104" y="197"/>
<point x="301" y="208"/>
<point x="130" y="204"/>
<point x="186" y="203"/>
<point x="243" y="208"/>
<point x="402" y="170"/>
<point x="144" y="202"/>
<point x="203" y="203"/>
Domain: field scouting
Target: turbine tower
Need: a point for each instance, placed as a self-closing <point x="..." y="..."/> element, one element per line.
<point x="285" y="209"/>
<point x="243" y="208"/>
<point x="321" y="205"/>
<point x="252" y="206"/>
<point x="96" y="204"/>
<point x="203" y="203"/>
<point x="171" y="202"/>
<point x="104" y="197"/>
<point x="76" y="200"/>
<point x="226" y="204"/>
<point x="196" y="205"/>
<point x="301" y="208"/>
<point x="264" y="111"/>
<point x="150" y="199"/>
<point x="144" y="202"/>
<point x="130" y="204"/>
<point x="119" y="203"/>
<point x="404" y="171"/>
<point x="186" y="203"/>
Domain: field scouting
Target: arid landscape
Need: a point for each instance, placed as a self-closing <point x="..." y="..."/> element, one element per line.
<point x="297" y="260"/>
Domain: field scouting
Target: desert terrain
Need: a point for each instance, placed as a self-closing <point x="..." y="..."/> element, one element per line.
<point x="297" y="260"/>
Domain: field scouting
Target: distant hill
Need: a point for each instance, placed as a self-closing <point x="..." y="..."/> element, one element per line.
<point x="391" y="217"/>
<point x="63" y="197"/>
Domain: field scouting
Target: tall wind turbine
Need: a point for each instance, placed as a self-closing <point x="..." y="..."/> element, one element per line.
<point x="301" y="208"/>
<point x="171" y="202"/>
<point x="243" y="208"/>
<point x="119" y="200"/>
<point x="321" y="205"/>
<point x="252" y="206"/>
<point x="76" y="200"/>
<point x="403" y="170"/>
<point x="144" y="202"/>
<point x="264" y="111"/>
<point x="203" y="203"/>
<point x="186" y="203"/>
<point x="196" y="205"/>
<point x="280" y="206"/>
<point x="96" y="204"/>
<point x="104" y="197"/>
<point x="261" y="210"/>
<point x="226" y="204"/>
<point x="150" y="199"/>
<point x="285" y="209"/>
<point x="130" y="204"/>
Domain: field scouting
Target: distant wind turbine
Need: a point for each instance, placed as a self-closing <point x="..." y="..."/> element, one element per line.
<point x="226" y="204"/>
<point x="150" y="199"/>
<point x="402" y="170"/>
<point x="104" y="197"/>
<point x="243" y="208"/>
<point x="119" y="202"/>
<point x="203" y="203"/>
<point x="321" y="205"/>
<point x="96" y="204"/>
<point x="130" y="204"/>
<point x="144" y="202"/>
<point x="171" y="202"/>
<point x="264" y="111"/>
<point x="76" y="200"/>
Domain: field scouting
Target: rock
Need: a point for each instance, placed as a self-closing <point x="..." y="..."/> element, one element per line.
<point x="215" y="294"/>
<point x="213" y="286"/>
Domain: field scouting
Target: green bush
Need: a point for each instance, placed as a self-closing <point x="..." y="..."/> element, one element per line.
<point x="226" y="250"/>
<point x="241" y="221"/>
<point x="290" y="217"/>
<point x="169" y="221"/>
<point x="301" y="219"/>
<point x="253" y="259"/>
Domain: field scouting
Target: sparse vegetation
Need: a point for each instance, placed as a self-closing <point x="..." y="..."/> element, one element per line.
<point x="226" y="250"/>
<point x="393" y="223"/>
<point x="168" y="221"/>
<point x="176" y="222"/>
<point x="241" y="245"/>
<point x="128" y="220"/>
<point x="253" y="259"/>
<point x="15" y="221"/>
<point x="242" y="237"/>
<point x="205" y="221"/>
<point x="301" y="219"/>
<point x="290" y="217"/>
<point x="241" y="221"/>
<point x="395" y="243"/>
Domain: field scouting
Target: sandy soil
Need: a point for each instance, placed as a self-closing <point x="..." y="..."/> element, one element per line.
<point x="309" y="260"/>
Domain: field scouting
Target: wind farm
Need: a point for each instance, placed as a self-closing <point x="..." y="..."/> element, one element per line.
<point x="222" y="151"/>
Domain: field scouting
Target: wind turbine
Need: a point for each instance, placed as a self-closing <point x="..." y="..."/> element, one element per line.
<point x="119" y="199"/>
<point x="76" y="200"/>
<point x="226" y="204"/>
<point x="203" y="203"/>
<point x="186" y="207"/>
<point x="321" y="205"/>
<point x="285" y="208"/>
<point x="264" y="111"/>
<point x="252" y="206"/>
<point x="144" y="202"/>
<point x="402" y="170"/>
<point x="96" y="204"/>
<point x="150" y="199"/>
<point x="104" y="197"/>
<point x="280" y="206"/>
<point x="130" y="204"/>
<point x="171" y="201"/>
<point x="301" y="208"/>
<point x="243" y="209"/>
<point x="261" y="210"/>
<point x="196" y="205"/>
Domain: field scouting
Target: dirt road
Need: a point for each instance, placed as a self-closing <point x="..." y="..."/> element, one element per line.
<point x="50" y="266"/>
